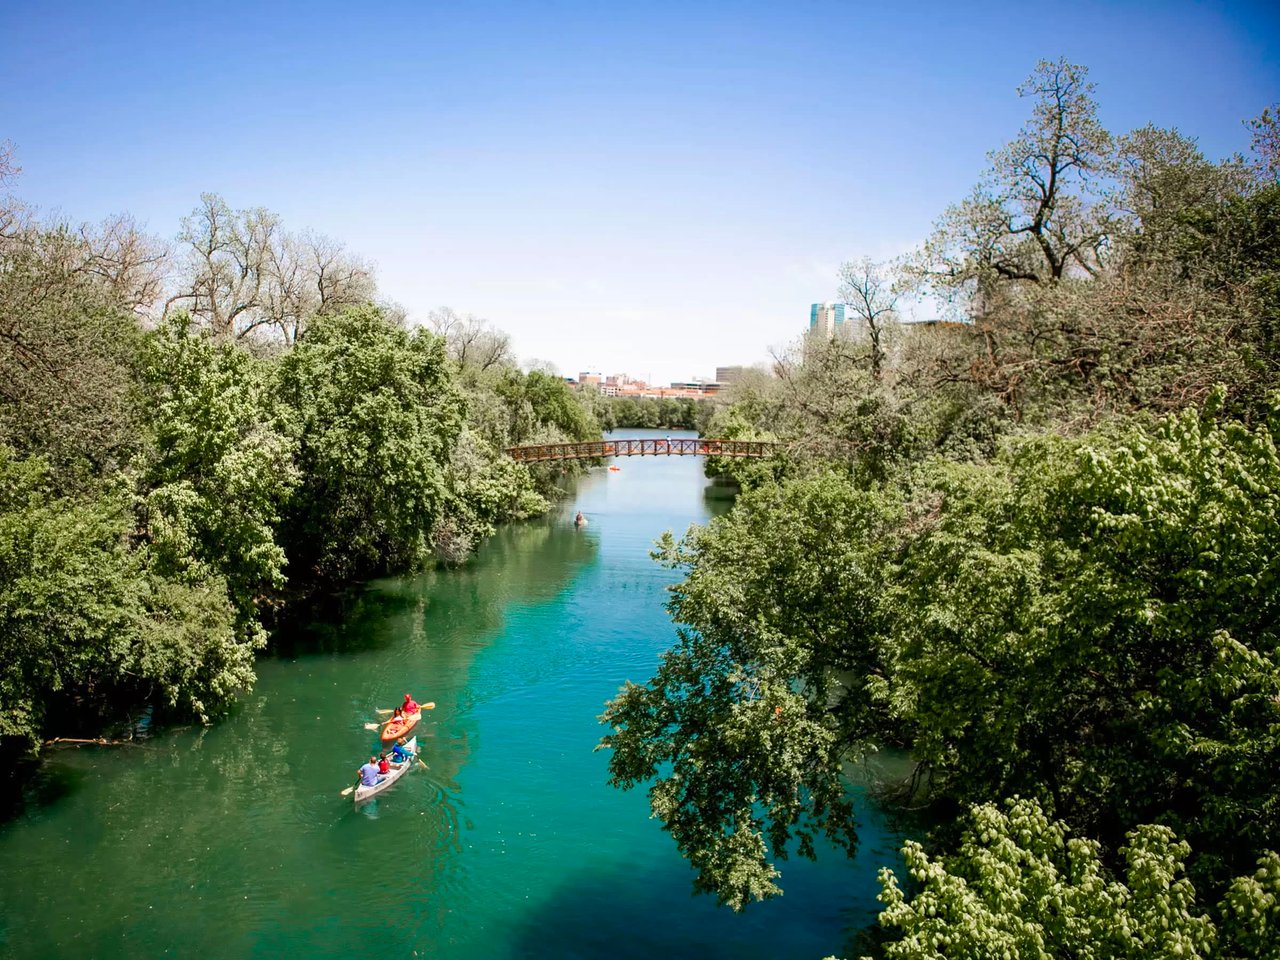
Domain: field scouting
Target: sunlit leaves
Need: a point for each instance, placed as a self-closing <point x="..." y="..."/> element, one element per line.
<point x="1020" y="886"/>
<point x="375" y="412"/>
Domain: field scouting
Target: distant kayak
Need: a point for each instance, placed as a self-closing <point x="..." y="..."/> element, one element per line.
<point x="615" y="469"/>
<point x="398" y="770"/>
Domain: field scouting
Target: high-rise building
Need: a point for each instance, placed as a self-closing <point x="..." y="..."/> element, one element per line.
<point x="827" y="317"/>
<point x="728" y="374"/>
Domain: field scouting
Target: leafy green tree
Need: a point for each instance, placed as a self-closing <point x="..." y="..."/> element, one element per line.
<point x="1067" y="625"/>
<point x="375" y="412"/>
<point x="747" y="723"/>
<point x="1021" y="886"/>
<point x="87" y="624"/>
<point x="486" y="488"/>
<point x="217" y="470"/>
<point x="67" y="348"/>
<point x="545" y="406"/>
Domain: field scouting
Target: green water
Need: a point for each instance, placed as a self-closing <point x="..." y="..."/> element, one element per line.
<point x="233" y="841"/>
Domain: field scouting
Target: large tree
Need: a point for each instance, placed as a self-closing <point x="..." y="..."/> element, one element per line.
<point x="375" y="411"/>
<point x="1038" y="213"/>
<point x="1020" y="885"/>
<point x="88" y="623"/>
<point x="217" y="469"/>
<point x="242" y="274"/>
<point x="67" y="348"/>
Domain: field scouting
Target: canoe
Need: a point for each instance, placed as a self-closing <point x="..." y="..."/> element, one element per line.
<point x="398" y="770"/>
<point x="398" y="728"/>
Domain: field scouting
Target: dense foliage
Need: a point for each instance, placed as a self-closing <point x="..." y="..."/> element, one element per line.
<point x="1031" y="545"/>
<point x="174" y="469"/>
<point x="1020" y="885"/>
<point x="652" y="413"/>
<point x="376" y="413"/>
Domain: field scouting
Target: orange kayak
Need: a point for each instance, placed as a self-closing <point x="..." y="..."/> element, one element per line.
<point x="398" y="728"/>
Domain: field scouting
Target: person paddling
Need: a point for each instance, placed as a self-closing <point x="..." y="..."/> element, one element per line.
<point x="409" y="707"/>
<point x="400" y="753"/>
<point x="368" y="774"/>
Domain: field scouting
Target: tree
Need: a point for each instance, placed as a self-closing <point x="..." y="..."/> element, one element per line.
<point x="1163" y="177"/>
<point x="244" y="275"/>
<point x="131" y="265"/>
<point x="474" y="343"/>
<point x="1020" y="885"/>
<point x="217" y="469"/>
<point x="746" y="725"/>
<point x="87" y="623"/>
<point x="486" y="487"/>
<point x="1265" y="130"/>
<point x="868" y="290"/>
<point x="67" y="348"/>
<point x="834" y="407"/>
<point x="375" y="413"/>
<point x="1037" y="214"/>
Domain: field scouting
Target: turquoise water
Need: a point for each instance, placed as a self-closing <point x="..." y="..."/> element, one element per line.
<point x="233" y="841"/>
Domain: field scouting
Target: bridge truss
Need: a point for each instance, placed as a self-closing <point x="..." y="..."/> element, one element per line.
<point x="678" y="447"/>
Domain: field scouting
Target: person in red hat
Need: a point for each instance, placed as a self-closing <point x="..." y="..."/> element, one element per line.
<point x="409" y="707"/>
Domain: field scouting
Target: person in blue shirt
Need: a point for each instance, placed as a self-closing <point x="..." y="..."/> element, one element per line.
<point x="369" y="775"/>
<point x="400" y="753"/>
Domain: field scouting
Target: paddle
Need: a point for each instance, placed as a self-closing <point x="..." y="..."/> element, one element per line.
<point x="421" y="706"/>
<point x="347" y="792"/>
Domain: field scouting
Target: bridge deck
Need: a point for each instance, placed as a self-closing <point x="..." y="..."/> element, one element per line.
<point x="679" y="447"/>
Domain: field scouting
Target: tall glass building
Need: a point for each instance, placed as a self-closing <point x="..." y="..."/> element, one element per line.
<point x="827" y="317"/>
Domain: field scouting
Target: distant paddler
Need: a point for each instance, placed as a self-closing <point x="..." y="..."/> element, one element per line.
<point x="579" y="520"/>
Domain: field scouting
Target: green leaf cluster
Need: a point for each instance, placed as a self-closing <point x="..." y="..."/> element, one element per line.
<point x="1020" y="885"/>
<point x="374" y="412"/>
<point x="86" y="619"/>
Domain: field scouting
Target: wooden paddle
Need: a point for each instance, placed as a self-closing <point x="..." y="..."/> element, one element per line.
<point x="347" y="792"/>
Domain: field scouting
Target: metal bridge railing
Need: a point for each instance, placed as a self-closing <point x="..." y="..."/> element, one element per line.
<point x="679" y="447"/>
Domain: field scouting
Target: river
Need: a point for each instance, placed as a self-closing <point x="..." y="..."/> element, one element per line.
<point x="232" y="841"/>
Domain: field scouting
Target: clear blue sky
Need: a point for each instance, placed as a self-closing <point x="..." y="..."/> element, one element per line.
<point x="655" y="188"/>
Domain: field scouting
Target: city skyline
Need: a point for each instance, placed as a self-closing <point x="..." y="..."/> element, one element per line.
<point x="635" y="186"/>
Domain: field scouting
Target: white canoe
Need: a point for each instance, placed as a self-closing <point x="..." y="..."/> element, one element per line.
<point x="398" y="770"/>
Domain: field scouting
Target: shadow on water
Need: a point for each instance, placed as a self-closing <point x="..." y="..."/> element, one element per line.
<point x="529" y="561"/>
<point x="620" y="914"/>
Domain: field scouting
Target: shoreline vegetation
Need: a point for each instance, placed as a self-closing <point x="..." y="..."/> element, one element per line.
<point x="1032" y="545"/>
<point x="197" y="435"/>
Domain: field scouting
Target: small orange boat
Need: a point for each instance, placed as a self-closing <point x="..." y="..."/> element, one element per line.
<point x="398" y="728"/>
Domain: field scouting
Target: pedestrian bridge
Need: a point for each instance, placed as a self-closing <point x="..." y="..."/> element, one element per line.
<point x="679" y="447"/>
